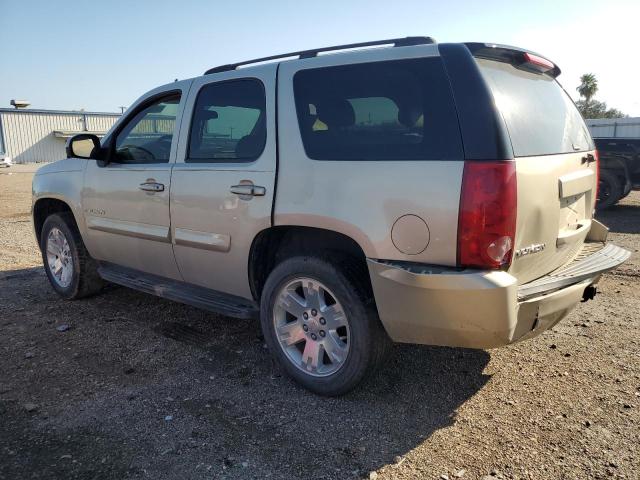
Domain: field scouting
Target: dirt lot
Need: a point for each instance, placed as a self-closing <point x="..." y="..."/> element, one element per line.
<point x="139" y="387"/>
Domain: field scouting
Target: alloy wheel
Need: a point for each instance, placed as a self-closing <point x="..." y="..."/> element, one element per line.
<point x="59" y="258"/>
<point x="311" y="327"/>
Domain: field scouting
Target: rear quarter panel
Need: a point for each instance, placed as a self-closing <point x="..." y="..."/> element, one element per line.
<point x="363" y="199"/>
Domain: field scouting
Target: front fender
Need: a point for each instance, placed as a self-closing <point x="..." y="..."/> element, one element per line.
<point x="63" y="181"/>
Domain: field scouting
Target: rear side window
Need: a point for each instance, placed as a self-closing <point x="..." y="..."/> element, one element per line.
<point x="539" y="115"/>
<point x="229" y="122"/>
<point x="397" y="110"/>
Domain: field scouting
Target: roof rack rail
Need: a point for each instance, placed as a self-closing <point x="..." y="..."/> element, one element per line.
<point x="396" y="42"/>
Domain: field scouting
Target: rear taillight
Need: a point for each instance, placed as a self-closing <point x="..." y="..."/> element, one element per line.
<point x="487" y="217"/>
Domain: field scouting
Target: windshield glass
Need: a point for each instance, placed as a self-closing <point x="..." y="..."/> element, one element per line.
<point x="540" y="116"/>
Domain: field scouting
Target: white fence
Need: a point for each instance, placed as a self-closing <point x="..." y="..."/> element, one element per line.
<point x="614" y="127"/>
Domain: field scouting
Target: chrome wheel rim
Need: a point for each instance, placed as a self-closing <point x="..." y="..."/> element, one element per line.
<point x="59" y="258"/>
<point x="311" y="327"/>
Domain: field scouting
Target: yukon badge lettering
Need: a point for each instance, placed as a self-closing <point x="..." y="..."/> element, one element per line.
<point x="535" y="248"/>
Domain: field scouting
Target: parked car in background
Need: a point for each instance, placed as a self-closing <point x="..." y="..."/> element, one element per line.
<point x="424" y="193"/>
<point x="619" y="169"/>
<point x="5" y="160"/>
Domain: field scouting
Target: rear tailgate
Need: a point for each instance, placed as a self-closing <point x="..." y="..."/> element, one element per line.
<point x="555" y="203"/>
<point x="555" y="163"/>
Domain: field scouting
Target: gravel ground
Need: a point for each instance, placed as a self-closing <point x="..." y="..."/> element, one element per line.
<point x="125" y="385"/>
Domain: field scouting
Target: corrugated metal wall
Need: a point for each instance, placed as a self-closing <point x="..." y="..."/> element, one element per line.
<point x="614" y="127"/>
<point x="28" y="134"/>
<point x="102" y="122"/>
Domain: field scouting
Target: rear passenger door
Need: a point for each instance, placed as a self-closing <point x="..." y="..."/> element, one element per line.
<point x="223" y="182"/>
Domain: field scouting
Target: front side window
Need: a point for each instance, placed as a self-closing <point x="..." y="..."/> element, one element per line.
<point x="396" y="110"/>
<point x="229" y="122"/>
<point x="147" y="137"/>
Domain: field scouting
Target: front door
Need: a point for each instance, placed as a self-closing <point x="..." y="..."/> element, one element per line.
<point x="223" y="180"/>
<point x="126" y="201"/>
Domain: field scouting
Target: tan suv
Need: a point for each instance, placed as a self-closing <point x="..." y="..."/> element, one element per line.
<point x="424" y="193"/>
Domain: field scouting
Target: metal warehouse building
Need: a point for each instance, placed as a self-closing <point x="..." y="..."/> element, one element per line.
<point x="28" y="135"/>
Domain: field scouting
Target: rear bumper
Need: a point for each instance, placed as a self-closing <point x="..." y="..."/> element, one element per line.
<point x="480" y="309"/>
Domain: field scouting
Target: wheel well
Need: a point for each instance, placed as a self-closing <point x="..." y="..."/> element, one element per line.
<point x="275" y="244"/>
<point x="616" y="166"/>
<point x="619" y="173"/>
<point x="45" y="207"/>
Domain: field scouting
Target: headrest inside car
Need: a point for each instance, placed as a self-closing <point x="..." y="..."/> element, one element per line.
<point x="336" y="113"/>
<point x="206" y="115"/>
<point x="408" y="116"/>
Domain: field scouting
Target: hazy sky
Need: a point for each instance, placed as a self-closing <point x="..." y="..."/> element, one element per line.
<point x="98" y="55"/>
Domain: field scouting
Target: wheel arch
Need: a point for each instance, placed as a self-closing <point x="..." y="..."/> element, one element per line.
<point x="46" y="206"/>
<point x="277" y="243"/>
<point x="617" y="166"/>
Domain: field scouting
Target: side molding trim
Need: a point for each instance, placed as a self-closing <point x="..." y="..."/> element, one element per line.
<point x="156" y="233"/>
<point x="203" y="240"/>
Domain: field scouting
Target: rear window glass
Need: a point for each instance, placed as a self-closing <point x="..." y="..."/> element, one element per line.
<point x="607" y="145"/>
<point x="540" y="116"/>
<point x="398" y="110"/>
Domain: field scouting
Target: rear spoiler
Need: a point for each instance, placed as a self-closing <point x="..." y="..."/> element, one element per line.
<point x="517" y="57"/>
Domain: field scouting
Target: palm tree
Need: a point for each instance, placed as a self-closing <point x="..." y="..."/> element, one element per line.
<point x="588" y="87"/>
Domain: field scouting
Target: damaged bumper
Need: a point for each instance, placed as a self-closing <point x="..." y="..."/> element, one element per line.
<point x="481" y="309"/>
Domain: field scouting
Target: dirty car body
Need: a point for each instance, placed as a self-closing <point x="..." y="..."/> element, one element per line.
<point x="416" y="193"/>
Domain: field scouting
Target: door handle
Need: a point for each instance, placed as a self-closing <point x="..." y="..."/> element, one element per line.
<point x="588" y="159"/>
<point x="152" y="187"/>
<point x="249" y="190"/>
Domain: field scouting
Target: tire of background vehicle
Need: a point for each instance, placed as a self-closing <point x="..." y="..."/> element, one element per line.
<point x="609" y="190"/>
<point x="368" y="343"/>
<point x="85" y="280"/>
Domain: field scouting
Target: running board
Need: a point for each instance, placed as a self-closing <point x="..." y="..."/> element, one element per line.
<point x="199" y="297"/>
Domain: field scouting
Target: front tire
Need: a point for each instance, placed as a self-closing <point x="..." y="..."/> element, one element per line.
<point x="72" y="272"/>
<point x="320" y="322"/>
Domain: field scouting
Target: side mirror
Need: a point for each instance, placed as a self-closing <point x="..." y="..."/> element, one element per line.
<point x="83" y="145"/>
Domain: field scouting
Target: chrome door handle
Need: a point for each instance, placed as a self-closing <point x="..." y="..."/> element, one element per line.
<point x="152" y="187"/>
<point x="249" y="190"/>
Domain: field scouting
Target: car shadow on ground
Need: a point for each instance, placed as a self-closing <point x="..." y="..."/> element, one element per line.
<point x="621" y="218"/>
<point x="131" y="361"/>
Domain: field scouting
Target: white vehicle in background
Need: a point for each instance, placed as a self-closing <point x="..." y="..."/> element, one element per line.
<point x="5" y="161"/>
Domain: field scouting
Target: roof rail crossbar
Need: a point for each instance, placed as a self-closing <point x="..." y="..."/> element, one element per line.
<point x="396" y="42"/>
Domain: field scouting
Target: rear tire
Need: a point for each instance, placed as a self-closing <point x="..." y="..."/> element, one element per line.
<point x="327" y="356"/>
<point x="72" y="272"/>
<point x="609" y="189"/>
